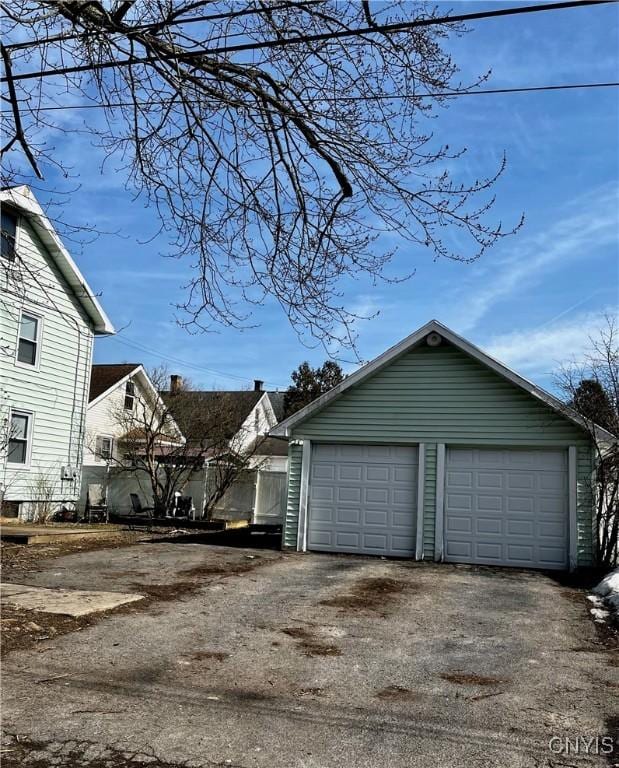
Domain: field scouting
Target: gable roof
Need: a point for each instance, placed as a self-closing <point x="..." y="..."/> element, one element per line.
<point x="25" y="202"/>
<point x="187" y="405"/>
<point x="277" y="403"/>
<point x="107" y="376"/>
<point x="382" y="361"/>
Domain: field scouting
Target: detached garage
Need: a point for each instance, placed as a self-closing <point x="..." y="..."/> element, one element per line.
<point x="435" y="450"/>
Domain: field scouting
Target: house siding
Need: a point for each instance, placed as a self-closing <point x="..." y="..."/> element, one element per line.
<point x="442" y="395"/>
<point x="584" y="504"/>
<point x="57" y="391"/>
<point x="291" y="522"/>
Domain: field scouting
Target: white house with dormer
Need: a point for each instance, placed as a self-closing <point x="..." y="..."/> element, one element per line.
<point x="49" y="318"/>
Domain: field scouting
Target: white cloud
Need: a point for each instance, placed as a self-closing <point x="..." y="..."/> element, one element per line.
<point x="589" y="223"/>
<point x="540" y="351"/>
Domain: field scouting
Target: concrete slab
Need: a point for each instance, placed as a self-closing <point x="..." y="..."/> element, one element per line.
<point x="39" y="534"/>
<point x="69" y="602"/>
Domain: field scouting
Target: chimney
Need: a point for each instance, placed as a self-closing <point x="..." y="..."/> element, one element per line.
<point x="176" y="384"/>
<point x="258" y="385"/>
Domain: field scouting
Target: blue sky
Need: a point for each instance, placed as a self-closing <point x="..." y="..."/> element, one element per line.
<point x="532" y="300"/>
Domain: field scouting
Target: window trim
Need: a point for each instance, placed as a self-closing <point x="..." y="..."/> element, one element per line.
<point x="133" y="396"/>
<point x="28" y="463"/>
<point x="99" y="456"/>
<point x="18" y="225"/>
<point x="37" y="361"/>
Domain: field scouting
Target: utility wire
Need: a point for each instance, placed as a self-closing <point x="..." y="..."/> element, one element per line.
<point x="185" y="363"/>
<point x="402" y="26"/>
<point x="330" y="100"/>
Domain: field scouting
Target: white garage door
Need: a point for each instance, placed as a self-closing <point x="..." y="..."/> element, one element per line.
<point x="506" y="507"/>
<point x="363" y="499"/>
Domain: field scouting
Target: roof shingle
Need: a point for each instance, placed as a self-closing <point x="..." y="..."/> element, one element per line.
<point x="103" y="377"/>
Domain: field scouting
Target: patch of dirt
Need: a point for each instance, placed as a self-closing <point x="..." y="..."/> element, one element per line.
<point x="464" y="678"/>
<point x="21" y="628"/>
<point x="371" y="594"/>
<point x="20" y="559"/>
<point x="165" y="592"/>
<point x="395" y="692"/>
<point x="310" y="692"/>
<point x="310" y="644"/>
<point x="20" y="750"/>
<point x="574" y="596"/>
<point x="231" y="568"/>
<point x="209" y="655"/>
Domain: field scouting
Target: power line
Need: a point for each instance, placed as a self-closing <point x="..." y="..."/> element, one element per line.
<point x="185" y="363"/>
<point x="330" y="100"/>
<point x="402" y="26"/>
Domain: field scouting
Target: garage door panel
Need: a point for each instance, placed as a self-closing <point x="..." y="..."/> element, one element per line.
<point x="348" y="516"/>
<point x="485" y="503"/>
<point x="346" y="540"/>
<point x="520" y="527"/>
<point x="324" y="514"/>
<point x="376" y="541"/>
<point x="460" y="501"/>
<point x="401" y="520"/>
<point x="489" y="525"/>
<point x="523" y="522"/>
<point x="325" y="472"/>
<point x="489" y="551"/>
<point x="349" y="472"/>
<point x="520" y="505"/>
<point x="521" y="481"/>
<point x="551" y="481"/>
<point x="372" y="496"/>
<point x="376" y="495"/>
<point x="460" y="524"/>
<point x="322" y="493"/>
<point x="376" y="474"/>
<point x="460" y="479"/>
<point x="459" y="549"/>
<point x="488" y="480"/>
<point x="345" y="495"/>
<point x="376" y="517"/>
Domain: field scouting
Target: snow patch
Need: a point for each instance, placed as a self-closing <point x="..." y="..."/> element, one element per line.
<point x="605" y="597"/>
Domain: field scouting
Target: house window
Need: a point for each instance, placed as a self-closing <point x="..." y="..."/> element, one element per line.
<point x="28" y="342"/>
<point x="20" y="428"/>
<point x="129" y="396"/>
<point x="105" y="446"/>
<point x="9" y="233"/>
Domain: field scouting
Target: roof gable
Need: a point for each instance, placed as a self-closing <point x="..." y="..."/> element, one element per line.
<point x="22" y="199"/>
<point x="106" y="377"/>
<point x="188" y="406"/>
<point x="415" y="340"/>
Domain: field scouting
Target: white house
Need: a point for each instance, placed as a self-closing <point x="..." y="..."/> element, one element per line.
<point x="49" y="317"/>
<point x="118" y="393"/>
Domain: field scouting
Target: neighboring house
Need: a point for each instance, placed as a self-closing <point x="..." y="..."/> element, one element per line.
<point x="258" y="495"/>
<point x="116" y="392"/>
<point x="437" y="451"/>
<point x="49" y="317"/>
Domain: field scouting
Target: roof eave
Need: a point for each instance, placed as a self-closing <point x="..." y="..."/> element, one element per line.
<point x="23" y="199"/>
<point x="284" y="428"/>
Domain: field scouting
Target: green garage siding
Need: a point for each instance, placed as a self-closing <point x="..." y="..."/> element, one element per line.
<point x="291" y="521"/>
<point x="429" y="502"/>
<point x="584" y="472"/>
<point x="438" y="395"/>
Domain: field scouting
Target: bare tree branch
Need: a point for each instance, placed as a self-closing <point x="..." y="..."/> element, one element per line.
<point x="275" y="170"/>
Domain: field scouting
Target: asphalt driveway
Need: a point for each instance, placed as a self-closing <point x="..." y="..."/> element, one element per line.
<point x="257" y="658"/>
